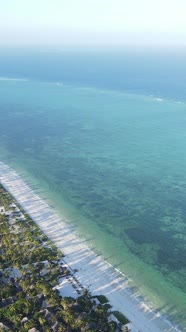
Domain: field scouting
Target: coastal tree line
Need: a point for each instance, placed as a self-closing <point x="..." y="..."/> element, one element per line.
<point x="29" y="270"/>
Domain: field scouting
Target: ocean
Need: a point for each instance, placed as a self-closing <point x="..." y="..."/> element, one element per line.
<point x="101" y="135"/>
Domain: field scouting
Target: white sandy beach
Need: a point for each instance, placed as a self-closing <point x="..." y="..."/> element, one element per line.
<point x="93" y="272"/>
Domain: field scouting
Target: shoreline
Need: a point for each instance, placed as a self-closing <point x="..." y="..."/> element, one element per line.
<point x="93" y="272"/>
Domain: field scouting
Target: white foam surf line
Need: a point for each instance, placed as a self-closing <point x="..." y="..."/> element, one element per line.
<point x="92" y="271"/>
<point x="2" y="78"/>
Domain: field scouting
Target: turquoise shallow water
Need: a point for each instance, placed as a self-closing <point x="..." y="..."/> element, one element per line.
<point x="114" y="165"/>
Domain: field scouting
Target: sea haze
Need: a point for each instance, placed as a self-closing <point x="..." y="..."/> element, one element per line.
<point x="103" y="136"/>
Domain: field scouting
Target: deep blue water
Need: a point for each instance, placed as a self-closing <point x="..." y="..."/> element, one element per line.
<point x="161" y="73"/>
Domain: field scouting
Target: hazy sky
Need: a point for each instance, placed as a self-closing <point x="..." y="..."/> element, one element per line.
<point x="92" y="22"/>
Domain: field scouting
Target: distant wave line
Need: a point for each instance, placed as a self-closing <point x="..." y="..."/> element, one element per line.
<point x="118" y="92"/>
<point x="2" y="78"/>
<point x="93" y="88"/>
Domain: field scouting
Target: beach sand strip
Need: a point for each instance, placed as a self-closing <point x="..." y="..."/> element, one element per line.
<point x="92" y="271"/>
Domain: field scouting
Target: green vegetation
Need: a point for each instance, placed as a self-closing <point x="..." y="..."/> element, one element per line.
<point x="122" y="319"/>
<point x="102" y="299"/>
<point x="30" y="266"/>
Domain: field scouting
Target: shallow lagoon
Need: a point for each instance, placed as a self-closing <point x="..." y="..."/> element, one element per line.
<point x="114" y="165"/>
